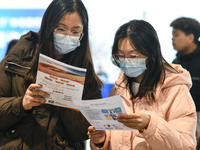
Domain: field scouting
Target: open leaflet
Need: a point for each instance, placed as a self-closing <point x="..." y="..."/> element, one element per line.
<point x="63" y="82"/>
<point x="102" y="113"/>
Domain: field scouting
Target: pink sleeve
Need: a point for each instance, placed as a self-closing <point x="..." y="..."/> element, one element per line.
<point x="178" y="130"/>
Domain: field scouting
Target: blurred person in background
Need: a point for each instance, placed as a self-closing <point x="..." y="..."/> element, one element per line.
<point x="102" y="74"/>
<point x="26" y="122"/>
<point x="185" y="40"/>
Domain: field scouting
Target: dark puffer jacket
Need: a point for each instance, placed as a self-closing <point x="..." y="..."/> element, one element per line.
<point x="45" y="127"/>
<point x="191" y="62"/>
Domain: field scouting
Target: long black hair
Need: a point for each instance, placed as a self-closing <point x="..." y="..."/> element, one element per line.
<point x="144" y="38"/>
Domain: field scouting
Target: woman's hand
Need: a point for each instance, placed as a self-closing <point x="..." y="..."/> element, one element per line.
<point x="138" y="121"/>
<point x="98" y="137"/>
<point x="34" y="97"/>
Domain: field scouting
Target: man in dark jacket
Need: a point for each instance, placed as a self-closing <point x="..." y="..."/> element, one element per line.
<point x="186" y="33"/>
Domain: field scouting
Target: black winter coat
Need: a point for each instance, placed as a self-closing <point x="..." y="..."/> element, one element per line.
<point x="191" y="62"/>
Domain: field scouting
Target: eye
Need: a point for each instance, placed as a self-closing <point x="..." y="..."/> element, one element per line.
<point x="59" y="29"/>
<point x="76" y="32"/>
<point x="133" y="56"/>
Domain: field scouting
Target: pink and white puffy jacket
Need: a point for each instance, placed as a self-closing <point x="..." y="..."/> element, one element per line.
<point x="173" y="117"/>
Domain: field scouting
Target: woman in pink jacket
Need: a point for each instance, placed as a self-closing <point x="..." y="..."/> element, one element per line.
<point x="155" y="94"/>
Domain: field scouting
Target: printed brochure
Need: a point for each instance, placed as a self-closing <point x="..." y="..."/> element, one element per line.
<point x="102" y="113"/>
<point x="63" y="82"/>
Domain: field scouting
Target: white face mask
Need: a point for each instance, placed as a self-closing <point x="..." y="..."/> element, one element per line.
<point x="65" y="44"/>
<point x="133" y="68"/>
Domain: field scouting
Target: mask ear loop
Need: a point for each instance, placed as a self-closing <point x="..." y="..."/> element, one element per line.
<point x="114" y="61"/>
<point x="81" y="36"/>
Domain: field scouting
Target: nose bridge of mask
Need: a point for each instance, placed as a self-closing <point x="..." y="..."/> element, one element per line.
<point x="65" y="38"/>
<point x="135" y="61"/>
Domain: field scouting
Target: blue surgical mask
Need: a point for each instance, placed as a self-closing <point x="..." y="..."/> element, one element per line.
<point x="65" y="44"/>
<point x="134" y="67"/>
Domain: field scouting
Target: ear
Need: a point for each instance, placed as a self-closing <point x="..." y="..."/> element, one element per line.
<point x="191" y="37"/>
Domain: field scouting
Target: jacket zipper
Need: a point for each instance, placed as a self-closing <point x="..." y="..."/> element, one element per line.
<point x="17" y="65"/>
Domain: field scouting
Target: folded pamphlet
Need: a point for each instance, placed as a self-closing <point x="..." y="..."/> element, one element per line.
<point x="63" y="82"/>
<point x="102" y="113"/>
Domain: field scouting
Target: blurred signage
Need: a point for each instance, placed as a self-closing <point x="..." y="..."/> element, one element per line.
<point x="16" y="22"/>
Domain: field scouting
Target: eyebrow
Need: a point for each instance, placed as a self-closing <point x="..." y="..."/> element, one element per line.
<point x="76" y="27"/>
<point x="128" y="52"/>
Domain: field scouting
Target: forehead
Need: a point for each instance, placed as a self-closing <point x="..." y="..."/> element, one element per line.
<point x="71" y="20"/>
<point x="125" y="45"/>
<point x="177" y="31"/>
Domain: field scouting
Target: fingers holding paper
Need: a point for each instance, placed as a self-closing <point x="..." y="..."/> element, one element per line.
<point x="33" y="96"/>
<point x="138" y="121"/>
<point x="96" y="136"/>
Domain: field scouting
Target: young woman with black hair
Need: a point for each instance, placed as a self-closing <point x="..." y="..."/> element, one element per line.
<point x="155" y="94"/>
<point x="27" y="123"/>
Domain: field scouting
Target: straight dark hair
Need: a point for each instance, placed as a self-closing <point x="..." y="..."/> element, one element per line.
<point x="81" y="57"/>
<point x="144" y="38"/>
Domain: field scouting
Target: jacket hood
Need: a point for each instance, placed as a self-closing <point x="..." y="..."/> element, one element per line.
<point x="182" y="77"/>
